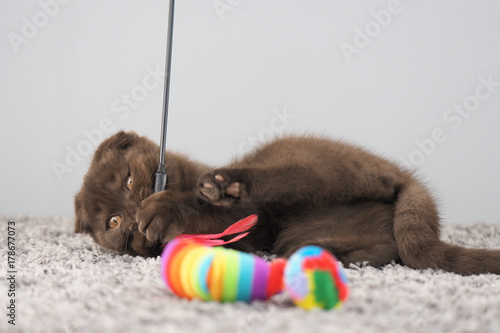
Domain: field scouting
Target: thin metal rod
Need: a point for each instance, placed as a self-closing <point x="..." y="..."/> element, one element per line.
<point x="161" y="176"/>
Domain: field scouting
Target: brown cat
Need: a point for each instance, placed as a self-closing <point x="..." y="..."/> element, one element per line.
<point x="305" y="190"/>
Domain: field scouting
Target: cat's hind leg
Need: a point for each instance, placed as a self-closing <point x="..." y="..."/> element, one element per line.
<point x="354" y="233"/>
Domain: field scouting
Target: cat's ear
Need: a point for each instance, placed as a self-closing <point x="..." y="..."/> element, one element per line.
<point x="80" y="224"/>
<point x="120" y="141"/>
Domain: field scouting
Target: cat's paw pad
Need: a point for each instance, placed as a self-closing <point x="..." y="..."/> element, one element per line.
<point x="219" y="189"/>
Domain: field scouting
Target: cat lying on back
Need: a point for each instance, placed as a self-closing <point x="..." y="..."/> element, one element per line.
<point x="305" y="190"/>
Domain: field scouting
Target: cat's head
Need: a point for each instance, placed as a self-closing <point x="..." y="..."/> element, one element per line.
<point x="120" y="176"/>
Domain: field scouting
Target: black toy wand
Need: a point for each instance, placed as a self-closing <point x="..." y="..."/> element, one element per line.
<point x="161" y="177"/>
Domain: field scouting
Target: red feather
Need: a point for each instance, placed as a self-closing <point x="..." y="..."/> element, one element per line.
<point x="212" y="239"/>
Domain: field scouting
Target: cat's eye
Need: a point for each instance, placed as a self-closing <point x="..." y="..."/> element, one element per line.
<point x="114" y="222"/>
<point x="130" y="182"/>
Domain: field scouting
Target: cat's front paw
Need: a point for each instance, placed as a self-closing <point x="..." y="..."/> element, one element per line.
<point x="221" y="187"/>
<point x="158" y="218"/>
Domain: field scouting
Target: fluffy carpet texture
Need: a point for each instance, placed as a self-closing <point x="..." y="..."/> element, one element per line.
<point x="66" y="283"/>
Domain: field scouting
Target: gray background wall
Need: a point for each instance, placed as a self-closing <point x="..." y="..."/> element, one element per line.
<point x="405" y="79"/>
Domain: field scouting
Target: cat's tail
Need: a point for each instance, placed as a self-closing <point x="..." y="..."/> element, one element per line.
<point x="416" y="229"/>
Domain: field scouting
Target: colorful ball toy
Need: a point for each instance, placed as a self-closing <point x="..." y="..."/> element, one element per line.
<point x="312" y="276"/>
<point x="315" y="279"/>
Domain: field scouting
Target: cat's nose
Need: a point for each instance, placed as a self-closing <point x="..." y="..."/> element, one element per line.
<point x="130" y="211"/>
<point x="133" y="226"/>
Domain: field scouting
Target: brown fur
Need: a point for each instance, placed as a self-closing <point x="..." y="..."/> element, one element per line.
<point x="306" y="190"/>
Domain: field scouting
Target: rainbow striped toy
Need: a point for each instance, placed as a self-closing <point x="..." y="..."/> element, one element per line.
<point x="312" y="276"/>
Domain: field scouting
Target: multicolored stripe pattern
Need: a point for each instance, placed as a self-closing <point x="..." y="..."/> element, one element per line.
<point x="192" y="270"/>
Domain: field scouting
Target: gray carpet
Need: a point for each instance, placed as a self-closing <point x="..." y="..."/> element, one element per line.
<point x="65" y="283"/>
